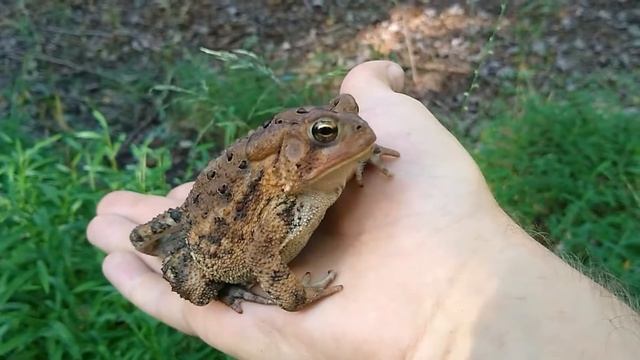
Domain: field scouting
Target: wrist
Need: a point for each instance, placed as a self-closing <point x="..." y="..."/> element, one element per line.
<point x="510" y="296"/>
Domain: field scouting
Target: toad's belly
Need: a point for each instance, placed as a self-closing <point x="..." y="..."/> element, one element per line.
<point x="308" y="212"/>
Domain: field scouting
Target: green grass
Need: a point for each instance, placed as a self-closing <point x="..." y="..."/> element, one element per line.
<point x="569" y="172"/>
<point x="53" y="297"/>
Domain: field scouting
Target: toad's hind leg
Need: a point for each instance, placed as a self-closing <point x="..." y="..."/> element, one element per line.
<point x="292" y="294"/>
<point x="193" y="284"/>
<point x="233" y="296"/>
<point x="188" y="279"/>
<point x="277" y="280"/>
<point x="160" y="236"/>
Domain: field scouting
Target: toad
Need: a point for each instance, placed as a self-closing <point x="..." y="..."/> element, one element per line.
<point x="253" y="209"/>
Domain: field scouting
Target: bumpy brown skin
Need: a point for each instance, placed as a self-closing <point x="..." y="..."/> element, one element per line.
<point x="253" y="208"/>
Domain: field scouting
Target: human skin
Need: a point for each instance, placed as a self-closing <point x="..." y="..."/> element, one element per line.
<point x="432" y="268"/>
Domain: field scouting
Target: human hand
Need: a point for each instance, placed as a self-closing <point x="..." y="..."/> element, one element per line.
<point x="382" y="239"/>
<point x="418" y="254"/>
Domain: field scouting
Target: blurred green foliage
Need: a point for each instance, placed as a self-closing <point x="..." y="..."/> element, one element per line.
<point x="53" y="297"/>
<point x="569" y="171"/>
<point x="227" y="103"/>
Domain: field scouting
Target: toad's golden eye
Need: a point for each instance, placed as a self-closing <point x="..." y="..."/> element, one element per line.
<point x="325" y="130"/>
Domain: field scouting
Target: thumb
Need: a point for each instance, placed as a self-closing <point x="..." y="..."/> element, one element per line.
<point x="394" y="116"/>
<point x="404" y="123"/>
<point x="373" y="78"/>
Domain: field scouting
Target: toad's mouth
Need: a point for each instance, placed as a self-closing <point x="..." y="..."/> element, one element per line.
<point x="340" y="171"/>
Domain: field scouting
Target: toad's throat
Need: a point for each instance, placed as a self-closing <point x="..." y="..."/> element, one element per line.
<point x="341" y="171"/>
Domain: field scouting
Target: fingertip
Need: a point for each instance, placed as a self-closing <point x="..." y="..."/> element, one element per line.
<point x="122" y="268"/>
<point x="373" y="77"/>
<point x="139" y="208"/>
<point x="93" y="229"/>
<point x="112" y="201"/>
<point x="395" y="77"/>
<point x="145" y="289"/>
<point x="109" y="232"/>
<point x="180" y="192"/>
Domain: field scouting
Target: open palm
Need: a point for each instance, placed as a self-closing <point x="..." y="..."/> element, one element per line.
<point x="398" y="245"/>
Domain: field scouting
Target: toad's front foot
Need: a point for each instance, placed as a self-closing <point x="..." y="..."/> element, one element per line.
<point x="376" y="160"/>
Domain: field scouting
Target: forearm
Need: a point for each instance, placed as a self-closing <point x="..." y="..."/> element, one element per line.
<point x="518" y="300"/>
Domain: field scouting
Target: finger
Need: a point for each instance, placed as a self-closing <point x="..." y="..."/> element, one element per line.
<point x="180" y="192"/>
<point x="373" y="79"/>
<point x="215" y="323"/>
<point x="110" y="233"/>
<point x="375" y="86"/>
<point x="146" y="289"/>
<point x="405" y="121"/>
<point x="136" y="207"/>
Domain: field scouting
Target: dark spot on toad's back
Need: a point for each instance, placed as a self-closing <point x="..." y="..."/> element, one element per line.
<point x="250" y="194"/>
<point x="158" y="226"/>
<point x="220" y="222"/>
<point x="135" y="237"/>
<point x="210" y="238"/>
<point x="287" y="212"/>
<point x="240" y="211"/>
<point x="175" y="214"/>
<point x="211" y="174"/>
<point x="278" y="275"/>
<point x="299" y="297"/>
<point x="214" y="238"/>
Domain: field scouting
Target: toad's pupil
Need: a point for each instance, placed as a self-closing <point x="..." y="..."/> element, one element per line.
<point x="326" y="129"/>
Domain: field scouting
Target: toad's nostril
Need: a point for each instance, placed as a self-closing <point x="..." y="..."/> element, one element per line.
<point x="358" y="127"/>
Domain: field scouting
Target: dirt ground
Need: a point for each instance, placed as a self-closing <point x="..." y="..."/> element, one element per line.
<point x="458" y="55"/>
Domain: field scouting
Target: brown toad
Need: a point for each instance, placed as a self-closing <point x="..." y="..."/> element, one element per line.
<point x="253" y="208"/>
